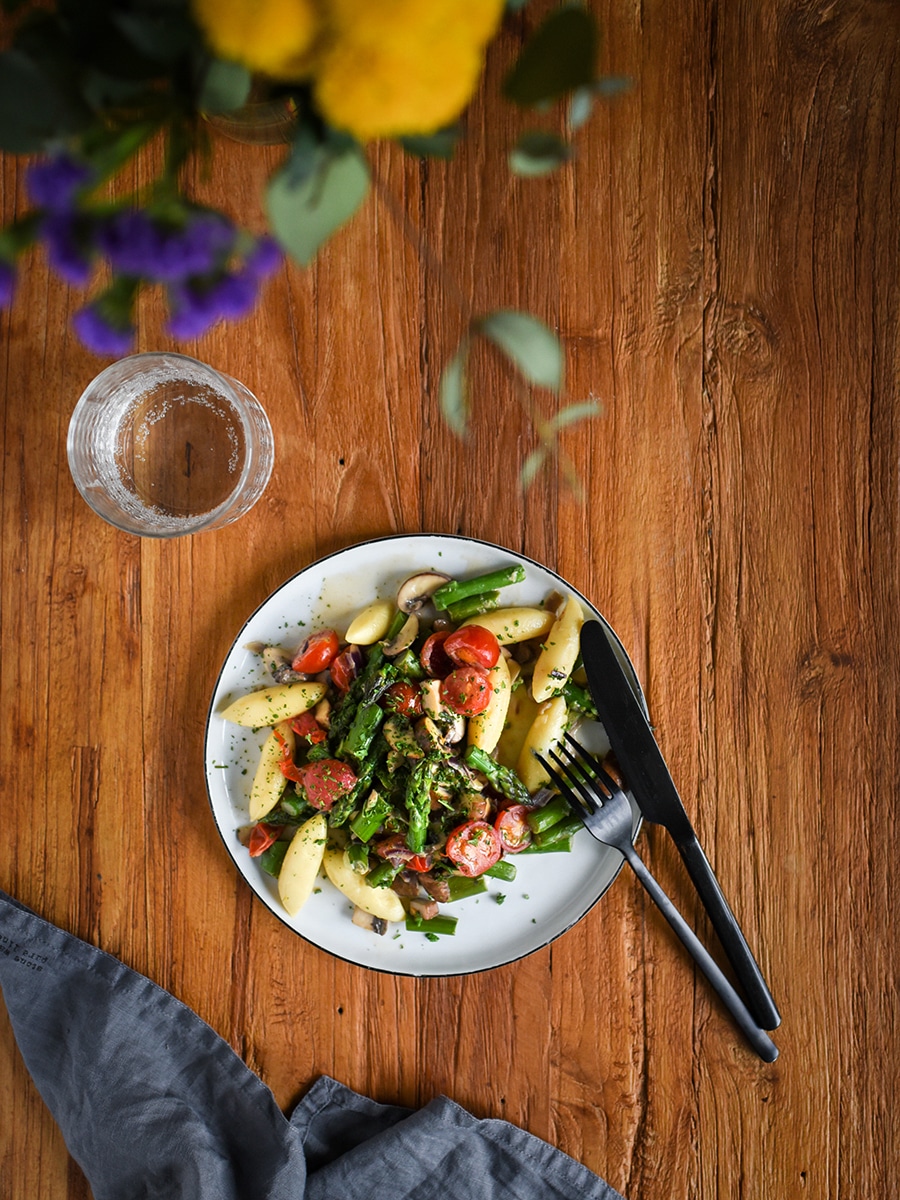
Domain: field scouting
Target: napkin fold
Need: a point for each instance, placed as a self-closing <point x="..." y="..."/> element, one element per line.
<point x="153" y="1103"/>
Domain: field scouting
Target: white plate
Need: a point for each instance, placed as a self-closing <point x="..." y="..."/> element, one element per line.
<point x="551" y="891"/>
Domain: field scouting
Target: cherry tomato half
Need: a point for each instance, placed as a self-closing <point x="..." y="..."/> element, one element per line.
<point x="513" y="829"/>
<point x="403" y="698"/>
<point x="306" y="726"/>
<point x="433" y="657"/>
<point x="261" y="838"/>
<point x="316" y="652"/>
<point x="473" y="646"/>
<point x="326" y="781"/>
<point x="473" y="848"/>
<point x="466" y="691"/>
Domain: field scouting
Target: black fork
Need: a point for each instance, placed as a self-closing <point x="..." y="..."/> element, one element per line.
<point x="606" y="812"/>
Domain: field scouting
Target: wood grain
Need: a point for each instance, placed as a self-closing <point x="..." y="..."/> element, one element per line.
<point x="721" y="260"/>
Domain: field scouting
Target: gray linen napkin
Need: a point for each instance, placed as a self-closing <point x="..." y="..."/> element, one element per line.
<point x="153" y="1103"/>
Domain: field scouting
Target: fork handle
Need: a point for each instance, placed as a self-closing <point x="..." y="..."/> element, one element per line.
<point x="759" y="998"/>
<point x="758" y="1038"/>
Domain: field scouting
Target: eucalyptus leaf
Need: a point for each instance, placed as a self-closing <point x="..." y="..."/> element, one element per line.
<point x="453" y="392"/>
<point x="226" y="87"/>
<point x="608" y="86"/>
<point x="435" y="145"/>
<point x="560" y="57"/>
<point x="527" y="342"/>
<point x="304" y="216"/>
<point x="532" y="465"/>
<point x="306" y="153"/>
<point x="580" y="107"/>
<point x="34" y="108"/>
<point x="161" y="37"/>
<point x="581" y="410"/>
<point x="538" y="153"/>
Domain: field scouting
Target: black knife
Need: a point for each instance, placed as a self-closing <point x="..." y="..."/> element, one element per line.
<point x="648" y="778"/>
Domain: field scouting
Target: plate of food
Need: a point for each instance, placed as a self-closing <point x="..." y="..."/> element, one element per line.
<point x="370" y="755"/>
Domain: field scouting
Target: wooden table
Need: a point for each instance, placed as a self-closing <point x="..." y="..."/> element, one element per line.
<point x="722" y="264"/>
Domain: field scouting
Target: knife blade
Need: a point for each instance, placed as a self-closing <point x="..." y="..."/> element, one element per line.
<point x="648" y="778"/>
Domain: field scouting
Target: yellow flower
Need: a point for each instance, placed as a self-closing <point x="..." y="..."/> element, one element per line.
<point x="385" y="68"/>
<point x="272" y="36"/>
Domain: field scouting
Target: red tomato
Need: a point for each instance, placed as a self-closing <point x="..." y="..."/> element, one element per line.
<point x="306" y="726"/>
<point x="513" y="829"/>
<point x="316" y="652"/>
<point x="473" y="646"/>
<point x="474" y="848"/>
<point x="433" y="657"/>
<point x="261" y="838"/>
<point x="466" y="691"/>
<point x="326" y="781"/>
<point x="343" y="669"/>
<point x="286" y="765"/>
<point x="403" y="698"/>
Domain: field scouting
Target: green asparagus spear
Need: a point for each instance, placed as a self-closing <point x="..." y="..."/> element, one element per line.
<point x="458" y="589"/>
<point x="505" y="780"/>
<point x="473" y="606"/>
<point x="418" y="803"/>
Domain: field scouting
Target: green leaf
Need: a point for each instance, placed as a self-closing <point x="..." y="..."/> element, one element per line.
<point x="436" y="145"/>
<point x="226" y="87"/>
<point x="160" y="37"/>
<point x="528" y="343"/>
<point x="581" y="410"/>
<point x="580" y="107"/>
<point x="559" y="57"/>
<point x="34" y="107"/>
<point x="453" y="391"/>
<point x="532" y="465"/>
<point x="538" y="153"/>
<point x="304" y="216"/>
<point x="608" y="86"/>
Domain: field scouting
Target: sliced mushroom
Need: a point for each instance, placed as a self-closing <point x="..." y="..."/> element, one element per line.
<point x="404" y="638"/>
<point x="280" y="666"/>
<point x="426" y="909"/>
<point x="555" y="602"/>
<point x="400" y="737"/>
<point x="366" y="921"/>
<point x="437" y="889"/>
<point x="406" y="884"/>
<point x="428" y="734"/>
<point x="413" y="592"/>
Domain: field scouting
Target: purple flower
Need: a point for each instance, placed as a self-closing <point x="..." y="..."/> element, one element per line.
<point x="54" y="184"/>
<point x="235" y="295"/>
<point x="193" y="311"/>
<point x="197" y="305"/>
<point x="264" y="258"/>
<point x="137" y="245"/>
<point x="68" y="248"/>
<point x="99" y="334"/>
<point x="7" y="284"/>
<point x="131" y="242"/>
<point x="204" y="243"/>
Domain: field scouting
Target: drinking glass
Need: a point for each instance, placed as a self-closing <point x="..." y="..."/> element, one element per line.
<point x="163" y="445"/>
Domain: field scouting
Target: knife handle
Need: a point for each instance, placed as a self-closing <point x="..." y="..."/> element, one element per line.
<point x="759" y="998"/>
<point x="758" y="1038"/>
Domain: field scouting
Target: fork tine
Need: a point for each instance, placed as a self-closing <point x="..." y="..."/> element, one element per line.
<point x="563" y="785"/>
<point x="586" y="796"/>
<point x="592" y="763"/>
